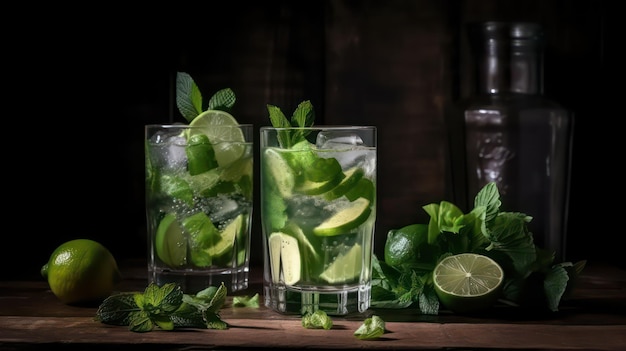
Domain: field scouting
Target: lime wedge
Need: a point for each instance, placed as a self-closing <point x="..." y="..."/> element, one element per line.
<point x="284" y="252"/>
<point x="363" y="188"/>
<point x="309" y="187"/>
<point x="297" y="233"/>
<point x="346" y="219"/>
<point x="170" y="243"/>
<point x="467" y="282"/>
<point x="352" y="177"/>
<point x="227" y="237"/>
<point x="279" y="171"/>
<point x="346" y="267"/>
<point x="201" y="230"/>
<point x="223" y="132"/>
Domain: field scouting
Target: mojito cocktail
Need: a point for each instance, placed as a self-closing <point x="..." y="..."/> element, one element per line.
<point x="318" y="208"/>
<point x="199" y="202"/>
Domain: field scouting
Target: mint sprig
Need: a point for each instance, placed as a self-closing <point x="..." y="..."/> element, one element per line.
<point x="166" y="307"/>
<point x="189" y="98"/>
<point x="303" y="116"/>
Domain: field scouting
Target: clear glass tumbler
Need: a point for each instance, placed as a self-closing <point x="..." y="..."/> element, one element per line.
<point x="199" y="205"/>
<point x="318" y="211"/>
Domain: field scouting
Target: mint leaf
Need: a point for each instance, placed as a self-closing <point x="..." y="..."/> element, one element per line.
<point x="222" y="100"/>
<point x="317" y="320"/>
<point x="489" y="197"/>
<point x="165" y="299"/>
<point x="372" y="328"/>
<point x="554" y="286"/>
<point x="117" y="309"/>
<point x="141" y="322"/>
<point x="246" y="301"/>
<point x="304" y="115"/>
<point x="188" y="96"/>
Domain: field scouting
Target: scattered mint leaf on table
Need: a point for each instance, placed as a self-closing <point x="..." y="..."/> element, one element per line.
<point x="317" y="320"/>
<point x="372" y="328"/>
<point x="246" y="301"/>
<point x="166" y="307"/>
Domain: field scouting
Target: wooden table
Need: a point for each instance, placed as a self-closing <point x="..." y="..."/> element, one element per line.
<point x="32" y="318"/>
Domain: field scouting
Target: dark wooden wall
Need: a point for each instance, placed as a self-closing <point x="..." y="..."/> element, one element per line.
<point x="84" y="86"/>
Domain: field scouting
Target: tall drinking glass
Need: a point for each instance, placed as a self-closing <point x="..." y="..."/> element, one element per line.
<point x="199" y="205"/>
<point x="318" y="211"/>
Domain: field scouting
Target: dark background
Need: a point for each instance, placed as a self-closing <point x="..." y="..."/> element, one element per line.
<point x="81" y="84"/>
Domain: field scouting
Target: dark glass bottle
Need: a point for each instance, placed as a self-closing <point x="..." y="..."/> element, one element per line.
<point x="509" y="133"/>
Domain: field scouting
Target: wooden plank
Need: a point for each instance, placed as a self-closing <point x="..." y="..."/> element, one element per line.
<point x="259" y="333"/>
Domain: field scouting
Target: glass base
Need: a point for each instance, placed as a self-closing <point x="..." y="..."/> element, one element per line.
<point x="335" y="303"/>
<point x="191" y="282"/>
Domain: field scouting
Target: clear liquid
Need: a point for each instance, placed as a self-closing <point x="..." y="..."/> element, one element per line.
<point x="349" y="292"/>
<point x="222" y="195"/>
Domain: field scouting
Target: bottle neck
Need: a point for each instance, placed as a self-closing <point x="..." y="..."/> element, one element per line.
<point x="509" y="57"/>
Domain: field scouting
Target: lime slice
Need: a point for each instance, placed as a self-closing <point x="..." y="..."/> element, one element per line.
<point x="352" y="177"/>
<point x="204" y="182"/>
<point x="309" y="187"/>
<point x="227" y="237"/>
<point x="468" y="282"/>
<point x="223" y="132"/>
<point x="284" y="252"/>
<point x="201" y="230"/>
<point x="280" y="172"/>
<point x="346" y="267"/>
<point x="346" y="219"/>
<point x="170" y="243"/>
<point x="297" y="232"/>
<point x="363" y="188"/>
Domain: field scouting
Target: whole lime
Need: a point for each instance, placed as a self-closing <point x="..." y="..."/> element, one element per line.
<point x="404" y="246"/>
<point x="81" y="271"/>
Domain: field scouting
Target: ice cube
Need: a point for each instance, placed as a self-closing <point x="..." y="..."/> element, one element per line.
<point x="168" y="151"/>
<point x="337" y="140"/>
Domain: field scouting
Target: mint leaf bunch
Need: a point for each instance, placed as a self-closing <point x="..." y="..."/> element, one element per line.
<point x="532" y="278"/>
<point x="166" y="307"/>
<point x="189" y="98"/>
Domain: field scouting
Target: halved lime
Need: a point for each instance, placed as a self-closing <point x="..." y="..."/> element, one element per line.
<point x="170" y="242"/>
<point x="468" y="282"/>
<point x="346" y="267"/>
<point x="227" y="237"/>
<point x="345" y="219"/>
<point x="284" y="252"/>
<point x="224" y="133"/>
<point x="278" y="169"/>
<point x="352" y="177"/>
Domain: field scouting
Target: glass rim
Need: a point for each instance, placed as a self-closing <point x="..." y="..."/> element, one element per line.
<point x="323" y="127"/>
<point x="183" y="125"/>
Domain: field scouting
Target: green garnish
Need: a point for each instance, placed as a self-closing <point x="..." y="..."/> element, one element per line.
<point x="246" y="301"/>
<point x="531" y="275"/>
<point x="166" y="307"/>
<point x="317" y="320"/>
<point x="189" y="98"/>
<point x="302" y="117"/>
<point x="372" y="328"/>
